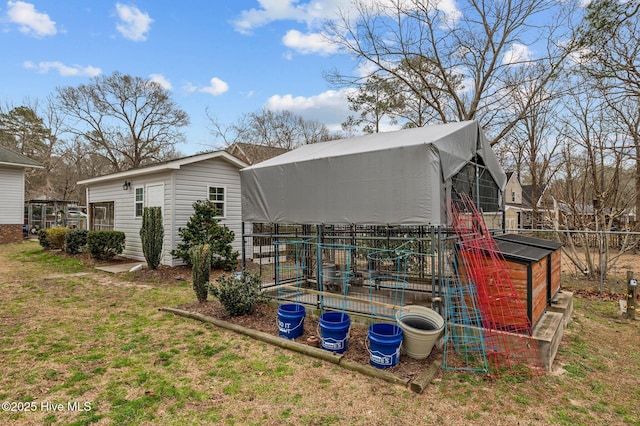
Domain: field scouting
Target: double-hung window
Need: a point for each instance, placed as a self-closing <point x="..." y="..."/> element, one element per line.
<point x="218" y="195"/>
<point x="139" y="203"/>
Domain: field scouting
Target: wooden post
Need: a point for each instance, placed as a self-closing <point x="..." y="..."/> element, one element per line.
<point x="632" y="289"/>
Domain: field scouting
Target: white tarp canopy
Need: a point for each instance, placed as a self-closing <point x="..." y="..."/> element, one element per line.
<point x="396" y="178"/>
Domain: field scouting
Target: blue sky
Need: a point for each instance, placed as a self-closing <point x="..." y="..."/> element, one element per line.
<point x="232" y="57"/>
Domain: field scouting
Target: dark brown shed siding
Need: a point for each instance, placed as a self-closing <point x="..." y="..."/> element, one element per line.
<point x="554" y="259"/>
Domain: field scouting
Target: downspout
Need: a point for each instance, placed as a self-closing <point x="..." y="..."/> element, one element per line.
<point x="89" y="211"/>
<point x="244" y="249"/>
<point x="172" y="220"/>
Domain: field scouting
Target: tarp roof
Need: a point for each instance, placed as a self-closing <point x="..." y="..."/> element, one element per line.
<point x="384" y="178"/>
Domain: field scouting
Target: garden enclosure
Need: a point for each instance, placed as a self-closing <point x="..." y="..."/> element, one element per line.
<point x="371" y="270"/>
<point x="360" y="224"/>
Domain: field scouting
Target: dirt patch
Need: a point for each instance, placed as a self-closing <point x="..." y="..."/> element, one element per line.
<point x="265" y="318"/>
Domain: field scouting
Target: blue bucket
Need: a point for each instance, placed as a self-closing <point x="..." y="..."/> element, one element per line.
<point x="384" y="344"/>
<point x="334" y="331"/>
<point x="291" y="320"/>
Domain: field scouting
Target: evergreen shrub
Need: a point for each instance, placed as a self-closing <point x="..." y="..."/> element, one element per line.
<point x="105" y="245"/>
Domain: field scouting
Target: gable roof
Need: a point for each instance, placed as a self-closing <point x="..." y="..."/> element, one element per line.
<point x="10" y="158"/>
<point x="253" y="154"/>
<point x="527" y="194"/>
<point x="167" y="165"/>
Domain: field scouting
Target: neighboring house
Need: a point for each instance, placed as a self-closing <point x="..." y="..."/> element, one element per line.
<point x="116" y="201"/>
<point x="520" y="203"/>
<point x="12" y="177"/>
<point x="517" y="207"/>
<point x="582" y="216"/>
<point x="552" y="213"/>
<point x="253" y="154"/>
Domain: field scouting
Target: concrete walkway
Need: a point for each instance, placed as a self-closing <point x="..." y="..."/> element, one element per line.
<point x="120" y="267"/>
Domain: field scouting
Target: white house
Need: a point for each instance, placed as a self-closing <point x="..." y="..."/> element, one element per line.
<point x="116" y="201"/>
<point x="12" y="178"/>
<point x="517" y="206"/>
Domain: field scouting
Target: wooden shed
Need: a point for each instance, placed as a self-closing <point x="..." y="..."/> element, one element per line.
<point x="527" y="267"/>
<point x="554" y="261"/>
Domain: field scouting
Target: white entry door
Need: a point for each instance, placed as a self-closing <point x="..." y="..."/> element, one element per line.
<point x="155" y="195"/>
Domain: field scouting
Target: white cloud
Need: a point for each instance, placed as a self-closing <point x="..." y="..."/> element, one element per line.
<point x="518" y="54"/>
<point x="134" y="24"/>
<point x="31" y="21"/>
<point x="309" y="43"/>
<point x="161" y="80"/>
<point x="451" y="12"/>
<point x="216" y="87"/>
<point x="63" y="70"/>
<point x="269" y="11"/>
<point x="330" y="107"/>
<point x="313" y="13"/>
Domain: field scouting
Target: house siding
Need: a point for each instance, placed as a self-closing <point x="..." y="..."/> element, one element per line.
<point x="182" y="187"/>
<point x="12" y="194"/>
<point x="124" y="211"/>
<point x="192" y="183"/>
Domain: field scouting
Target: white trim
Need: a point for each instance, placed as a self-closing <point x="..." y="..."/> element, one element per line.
<point x="135" y="201"/>
<point x="20" y="165"/>
<point x="170" y="165"/>
<point x="224" y="201"/>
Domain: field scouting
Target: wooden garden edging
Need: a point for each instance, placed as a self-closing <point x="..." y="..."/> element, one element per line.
<point x="418" y="385"/>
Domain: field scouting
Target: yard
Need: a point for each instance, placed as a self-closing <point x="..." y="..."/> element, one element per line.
<point x="84" y="347"/>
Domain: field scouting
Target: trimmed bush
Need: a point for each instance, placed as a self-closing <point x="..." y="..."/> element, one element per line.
<point x="238" y="294"/>
<point x="203" y="228"/>
<point x="56" y="237"/>
<point x="42" y="238"/>
<point x="75" y="241"/>
<point x="105" y="245"/>
<point x="151" y="235"/>
<point x="200" y="256"/>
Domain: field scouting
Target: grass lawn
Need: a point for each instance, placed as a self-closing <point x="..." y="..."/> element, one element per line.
<point x="91" y="348"/>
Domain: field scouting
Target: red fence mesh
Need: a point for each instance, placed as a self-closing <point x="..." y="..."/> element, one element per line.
<point x="506" y="325"/>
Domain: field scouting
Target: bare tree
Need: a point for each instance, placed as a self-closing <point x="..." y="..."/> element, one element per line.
<point x="78" y="163"/>
<point x="533" y="141"/>
<point x="595" y="192"/>
<point x="471" y="52"/>
<point x="281" y="129"/>
<point x="128" y="120"/>
<point x="610" y="53"/>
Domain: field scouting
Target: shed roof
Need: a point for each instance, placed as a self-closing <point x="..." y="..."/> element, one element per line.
<point x="530" y="241"/>
<point x="167" y="165"/>
<point x="254" y="154"/>
<point x="10" y="158"/>
<point x="521" y="252"/>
